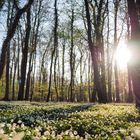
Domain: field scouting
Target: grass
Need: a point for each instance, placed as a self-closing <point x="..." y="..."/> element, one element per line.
<point x="68" y="121"/>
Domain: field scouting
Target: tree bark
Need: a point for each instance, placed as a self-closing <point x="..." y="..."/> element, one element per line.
<point x="56" y="48"/>
<point x="33" y="45"/>
<point x="6" y="97"/>
<point x="53" y="53"/>
<point x="116" y="4"/>
<point x="94" y="55"/>
<point x="24" y="57"/>
<point x="133" y="8"/>
<point x="72" y="59"/>
<point x="109" y="62"/>
<point x="63" y="70"/>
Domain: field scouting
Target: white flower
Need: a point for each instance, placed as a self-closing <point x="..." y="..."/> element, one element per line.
<point x="12" y="120"/>
<point x="28" y="133"/>
<point x="9" y="125"/>
<point x="87" y="136"/>
<point x="14" y="124"/>
<point x="39" y="128"/>
<point x="75" y="133"/>
<point x="122" y="131"/>
<point x="13" y="133"/>
<point x="22" y="125"/>
<point x="37" y="132"/>
<point x="36" y="138"/>
<point x="19" y="121"/>
<point x="71" y="135"/>
<point x="136" y="132"/>
<point x="43" y="138"/>
<point x="59" y="137"/>
<point x="81" y="138"/>
<point x="1" y="131"/>
<point x="53" y="134"/>
<point x="67" y="132"/>
<point x="46" y="133"/>
<point x="62" y="133"/>
<point x="129" y="138"/>
<point x="77" y="137"/>
<point x="2" y="124"/>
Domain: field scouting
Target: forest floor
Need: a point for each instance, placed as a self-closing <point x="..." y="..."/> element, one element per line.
<point x="68" y="121"/>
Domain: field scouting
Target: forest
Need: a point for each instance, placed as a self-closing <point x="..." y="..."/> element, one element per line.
<point x="70" y="69"/>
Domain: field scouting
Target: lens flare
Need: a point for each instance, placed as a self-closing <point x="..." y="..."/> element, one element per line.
<point x="122" y="55"/>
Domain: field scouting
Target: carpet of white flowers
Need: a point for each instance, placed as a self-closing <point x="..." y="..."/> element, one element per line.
<point x="68" y="121"/>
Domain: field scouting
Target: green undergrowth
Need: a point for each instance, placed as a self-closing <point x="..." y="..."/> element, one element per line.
<point x="69" y="121"/>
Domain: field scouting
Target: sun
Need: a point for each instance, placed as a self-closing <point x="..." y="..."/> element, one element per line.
<point x="122" y="55"/>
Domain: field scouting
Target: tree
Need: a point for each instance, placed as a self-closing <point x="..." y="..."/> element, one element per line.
<point x="24" y="57"/>
<point x="11" y="32"/>
<point x="33" y="44"/>
<point x="63" y="66"/>
<point x="72" y="63"/>
<point x="96" y="50"/>
<point x="109" y="62"/>
<point x="53" y="51"/>
<point x="56" y="47"/>
<point x="116" y="6"/>
<point x="130" y="97"/>
<point x="133" y="10"/>
<point x="9" y="20"/>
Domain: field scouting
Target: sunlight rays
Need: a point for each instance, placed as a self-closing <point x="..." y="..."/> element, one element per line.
<point x="122" y="55"/>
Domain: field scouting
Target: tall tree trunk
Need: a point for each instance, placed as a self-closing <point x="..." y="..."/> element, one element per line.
<point x="27" y="91"/>
<point x="89" y="78"/>
<point x="33" y="77"/>
<point x="63" y="71"/>
<point x="33" y="44"/>
<point x="16" y="65"/>
<point x="94" y="56"/>
<point x="56" y="48"/>
<point x="133" y="8"/>
<point x="130" y="97"/>
<point x="13" y="83"/>
<point x="53" y="53"/>
<point x="103" y="75"/>
<point x="81" y="98"/>
<point x="50" y="76"/>
<point x="100" y="49"/>
<point x="55" y="76"/>
<point x="130" y="88"/>
<point x="8" y="75"/>
<point x="24" y="57"/>
<point x="109" y="62"/>
<point x="116" y="4"/>
<point x="6" y="97"/>
<point x="72" y="59"/>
